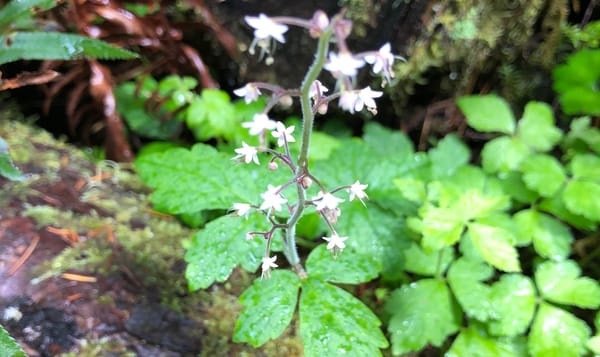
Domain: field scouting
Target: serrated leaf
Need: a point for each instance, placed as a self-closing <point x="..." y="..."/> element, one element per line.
<point x="334" y="323"/>
<point x="269" y="306"/>
<point x="487" y="113"/>
<point x="13" y="11"/>
<point x="560" y="282"/>
<point x="56" y="46"/>
<point x="465" y="277"/>
<point x="449" y="154"/>
<point x="537" y="128"/>
<point x="471" y="342"/>
<point x="212" y="115"/>
<point x="412" y="189"/>
<point x="474" y="203"/>
<point x="548" y="338"/>
<point x="582" y="136"/>
<point x="586" y="167"/>
<point x="350" y="266"/>
<point x="8" y="345"/>
<point x="576" y="82"/>
<point x="543" y="174"/>
<point x="441" y="227"/>
<point x="578" y="199"/>
<point x="512" y="302"/>
<point x="386" y="142"/>
<point x="513" y="185"/>
<point x="219" y="247"/>
<point x="551" y="238"/>
<point x="503" y="154"/>
<point x="495" y="246"/>
<point x="427" y="263"/>
<point x="422" y="313"/>
<point x="557" y="207"/>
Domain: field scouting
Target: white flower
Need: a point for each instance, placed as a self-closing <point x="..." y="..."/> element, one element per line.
<point x="382" y="61"/>
<point x="357" y="190"/>
<point x="259" y="123"/>
<point x="248" y="152"/>
<point x="249" y="236"/>
<point x="326" y="201"/>
<point x="250" y="93"/>
<point x="343" y="63"/>
<point x="283" y="134"/>
<point x="272" y="199"/>
<point x="242" y="209"/>
<point x="317" y="89"/>
<point x="348" y="100"/>
<point x="335" y="243"/>
<point x="267" y="264"/>
<point x="265" y="28"/>
<point x="365" y="99"/>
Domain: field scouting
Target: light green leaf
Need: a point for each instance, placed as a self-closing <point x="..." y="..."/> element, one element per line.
<point x="551" y="238"/>
<point x="412" y="189"/>
<point x="512" y="303"/>
<point x="212" y="115"/>
<point x="449" y="154"/>
<point x="537" y="128"/>
<point x="557" y="207"/>
<point x="422" y="313"/>
<point x="473" y="343"/>
<point x="582" y="136"/>
<point x="322" y="145"/>
<point x="557" y="333"/>
<point x="8" y="345"/>
<point x="219" y="247"/>
<point x="543" y="174"/>
<point x="7" y="168"/>
<point x="503" y="154"/>
<point x="350" y="266"/>
<point x="334" y="323"/>
<point x="487" y="113"/>
<point x="442" y="227"/>
<point x="465" y="278"/>
<point x="474" y="203"/>
<point x="495" y="246"/>
<point x="560" y="282"/>
<point x="577" y="196"/>
<point x="385" y="142"/>
<point x="594" y="345"/>
<point x="427" y="263"/>
<point x="586" y="167"/>
<point x="576" y="82"/>
<point x="269" y="306"/>
<point x="513" y="185"/>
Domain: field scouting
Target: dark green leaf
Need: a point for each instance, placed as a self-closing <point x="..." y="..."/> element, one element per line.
<point x="472" y="342"/>
<point x="8" y="346"/>
<point x="577" y="83"/>
<point x="487" y="113"/>
<point x="17" y="9"/>
<point x="560" y="282"/>
<point x="350" y="266"/>
<point x="385" y="142"/>
<point x="551" y="238"/>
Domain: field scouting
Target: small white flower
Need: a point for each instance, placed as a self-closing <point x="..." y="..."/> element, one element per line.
<point x="12" y="313"/>
<point x="344" y="64"/>
<point x="260" y="122"/>
<point x="265" y="28"/>
<point x="326" y="201"/>
<point x="249" y="236"/>
<point x="267" y="264"/>
<point x="335" y="243"/>
<point x="357" y="190"/>
<point x="272" y="199"/>
<point x="249" y="153"/>
<point x="365" y="99"/>
<point x="348" y="101"/>
<point x="317" y="89"/>
<point x="250" y="93"/>
<point x="242" y="209"/>
<point x="283" y="134"/>
<point x="382" y="61"/>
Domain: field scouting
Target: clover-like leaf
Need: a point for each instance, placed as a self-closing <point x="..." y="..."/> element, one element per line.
<point x="350" y="266"/>
<point x="465" y="278"/>
<point x="441" y="227"/>
<point x="495" y="246"/>
<point x="551" y="238"/>
<point x="586" y="167"/>
<point x="512" y="305"/>
<point x="560" y="282"/>
<point x="543" y="174"/>
<point x="9" y="346"/>
<point x="578" y="198"/>
<point x="503" y="154"/>
<point x="334" y="323"/>
<point x="269" y="306"/>
<point x="473" y="342"/>
<point x="212" y="115"/>
<point x="422" y="313"/>
<point x="487" y="113"/>
<point x="548" y="337"/>
<point x="449" y="154"/>
<point x="537" y="128"/>
<point x="219" y="247"/>
<point x="427" y="263"/>
<point x="577" y="83"/>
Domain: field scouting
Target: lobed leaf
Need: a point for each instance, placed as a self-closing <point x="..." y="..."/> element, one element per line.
<point x="560" y="282"/>
<point x="211" y="115"/>
<point x="427" y="263"/>
<point x="472" y="342"/>
<point x="551" y="238"/>
<point x="576" y="83"/>
<point x="449" y="154"/>
<point x="543" y="174"/>
<point x="503" y="154"/>
<point x="350" y="267"/>
<point x="487" y="113"/>
<point x="536" y="127"/>
<point x="465" y="278"/>
<point x="577" y="197"/>
<point x="586" y="167"/>
<point x="495" y="245"/>
<point x="512" y="305"/>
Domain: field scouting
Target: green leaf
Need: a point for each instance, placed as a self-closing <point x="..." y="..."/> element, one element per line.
<point x="322" y="145"/>
<point x="7" y="168"/>
<point x="220" y="247"/>
<point x="442" y="227"/>
<point x="269" y="306"/>
<point x="557" y="333"/>
<point x="412" y="189"/>
<point x="465" y="277"/>
<point x="350" y="267"/>
<point x="577" y="83"/>
<point x="56" y="46"/>
<point x="334" y="323"/>
<point x="512" y="303"/>
<point x="560" y="282"/>
<point x="582" y="136"/>
<point x="594" y="345"/>
<point x="586" y="167"/>
<point x="503" y="154"/>
<point x="512" y="184"/>
<point x="387" y="142"/>
<point x="471" y="342"/>
<point x="577" y="196"/>
<point x="8" y="345"/>
<point x="543" y="174"/>
<point x="212" y="115"/>
<point x="449" y="154"/>
<point x="487" y="113"/>
<point x="16" y="10"/>
<point x="537" y="128"/>
<point x="495" y="246"/>
<point x="551" y="238"/>
<point x="422" y="313"/>
<point x="427" y="263"/>
<point x="556" y="206"/>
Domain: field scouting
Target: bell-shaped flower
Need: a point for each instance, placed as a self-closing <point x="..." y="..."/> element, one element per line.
<point x="250" y="93"/>
<point x="283" y="134"/>
<point x="260" y="122"/>
<point x="249" y="153"/>
<point x="316" y="90"/>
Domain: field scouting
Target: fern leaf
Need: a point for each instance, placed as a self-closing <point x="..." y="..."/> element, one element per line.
<point x="56" y="45"/>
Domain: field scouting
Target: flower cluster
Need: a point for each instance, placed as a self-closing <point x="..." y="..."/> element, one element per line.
<point x="315" y="97"/>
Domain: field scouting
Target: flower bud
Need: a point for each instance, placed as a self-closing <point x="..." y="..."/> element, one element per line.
<point x="306" y="182"/>
<point x="322" y="109"/>
<point x="343" y="29"/>
<point x="273" y="166"/>
<point x="319" y="23"/>
<point x="286" y="101"/>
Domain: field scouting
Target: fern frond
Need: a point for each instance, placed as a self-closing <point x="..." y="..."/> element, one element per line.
<point x="56" y="45"/>
<point x="19" y="9"/>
